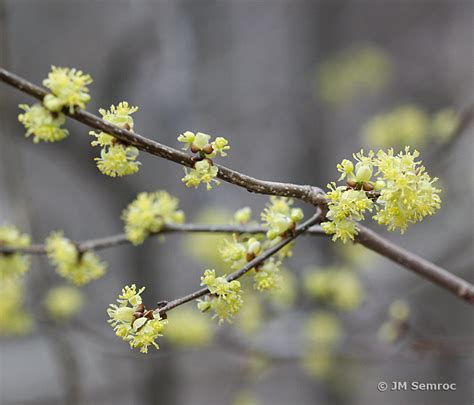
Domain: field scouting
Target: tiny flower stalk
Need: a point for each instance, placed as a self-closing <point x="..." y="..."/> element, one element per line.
<point x="203" y="170"/>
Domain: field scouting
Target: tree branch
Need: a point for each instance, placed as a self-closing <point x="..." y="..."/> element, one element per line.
<point x="310" y="194"/>
<point x="121" y="239"/>
<point x="417" y="264"/>
<point x="307" y="193"/>
<point x="249" y="266"/>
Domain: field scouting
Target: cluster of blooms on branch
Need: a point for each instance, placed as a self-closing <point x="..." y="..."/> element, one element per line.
<point x="203" y="170"/>
<point x="116" y="157"/>
<point x="148" y="213"/>
<point x="133" y="322"/>
<point x="68" y="90"/>
<point x="78" y="267"/>
<point x="395" y="186"/>
<point x="14" y="319"/>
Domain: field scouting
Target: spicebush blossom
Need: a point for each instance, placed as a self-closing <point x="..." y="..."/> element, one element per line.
<point x="116" y="159"/>
<point x="267" y="276"/>
<point x="225" y="296"/>
<point x="78" y="267"/>
<point x="63" y="302"/>
<point x="405" y="193"/>
<point x="148" y="213"/>
<point x="392" y="329"/>
<point x="187" y="328"/>
<point x="336" y="286"/>
<point x="42" y="124"/>
<point x="133" y="322"/>
<point x="13" y="265"/>
<point x="279" y="217"/>
<point x="203" y="170"/>
<point x="14" y="320"/>
<point x="68" y="88"/>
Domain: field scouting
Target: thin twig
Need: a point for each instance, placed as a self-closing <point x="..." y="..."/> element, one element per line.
<point x="121" y="239"/>
<point x="417" y="264"/>
<point x="310" y="194"/>
<point x="249" y="266"/>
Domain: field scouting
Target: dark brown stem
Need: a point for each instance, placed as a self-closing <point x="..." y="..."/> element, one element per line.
<point x="310" y="194"/>
<point x="121" y="239"/>
<point x="249" y="266"/>
<point x="417" y="264"/>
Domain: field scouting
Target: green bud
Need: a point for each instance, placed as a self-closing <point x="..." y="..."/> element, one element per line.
<point x="296" y="214"/>
<point x="201" y="140"/>
<point x="363" y="173"/>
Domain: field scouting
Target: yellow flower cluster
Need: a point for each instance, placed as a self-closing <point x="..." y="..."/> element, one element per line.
<point x="408" y="194"/>
<point x="188" y="329"/>
<point x="14" y="320"/>
<point x="351" y="71"/>
<point x="345" y="207"/>
<point x="279" y="217"/>
<point x="43" y="125"/>
<point x="13" y="265"/>
<point x="409" y="124"/>
<point x="148" y="213"/>
<point x="63" y="302"/>
<point x="68" y="88"/>
<point x="323" y="333"/>
<point x="225" y="296"/>
<point x="116" y="158"/>
<point x="78" y="267"/>
<point x="203" y="170"/>
<point x="133" y="322"/>
<point x="338" y="287"/>
<point x="404" y="193"/>
<point x="393" y="328"/>
<point x="267" y="276"/>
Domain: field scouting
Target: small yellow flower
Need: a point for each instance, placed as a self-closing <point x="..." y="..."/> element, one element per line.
<point x="148" y="213"/>
<point x="63" y="302"/>
<point x="225" y="296"/>
<point x="68" y="88"/>
<point x="42" y="124"/>
<point x="79" y="268"/>
<point x="116" y="158"/>
<point x="13" y="265"/>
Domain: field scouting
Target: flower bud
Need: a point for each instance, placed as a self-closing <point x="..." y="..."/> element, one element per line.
<point x="379" y="185"/>
<point x="208" y="149"/>
<point x="296" y="214"/>
<point x="52" y="103"/>
<point x="351" y="183"/>
<point x="201" y="140"/>
<point x="363" y="173"/>
<point x="243" y="215"/>
<point x="254" y="246"/>
<point x="367" y="186"/>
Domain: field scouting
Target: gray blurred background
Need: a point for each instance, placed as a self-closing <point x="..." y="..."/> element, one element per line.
<point x="245" y="70"/>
